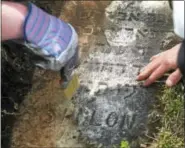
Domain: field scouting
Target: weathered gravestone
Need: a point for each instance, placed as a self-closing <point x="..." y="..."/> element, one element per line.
<point x="110" y="105"/>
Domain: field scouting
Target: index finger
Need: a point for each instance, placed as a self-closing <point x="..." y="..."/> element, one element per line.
<point x="148" y="70"/>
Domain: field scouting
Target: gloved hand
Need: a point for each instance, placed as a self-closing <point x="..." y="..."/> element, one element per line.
<point x="52" y="39"/>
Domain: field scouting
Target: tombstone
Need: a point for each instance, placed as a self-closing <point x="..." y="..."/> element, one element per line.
<point x="111" y="105"/>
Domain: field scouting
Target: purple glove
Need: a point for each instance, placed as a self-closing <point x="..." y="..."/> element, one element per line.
<point x="50" y="38"/>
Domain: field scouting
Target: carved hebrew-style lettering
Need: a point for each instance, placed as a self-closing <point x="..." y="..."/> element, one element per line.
<point x="106" y="50"/>
<point x="127" y="121"/>
<point x="141" y="33"/>
<point x="131" y="121"/>
<point x="129" y="5"/>
<point x="161" y="18"/>
<point x="93" y="119"/>
<point x="125" y="92"/>
<point x="112" y="119"/>
<point x="133" y="16"/>
<point x="129" y="29"/>
<point x="148" y="17"/>
<point x="102" y="86"/>
<point x="127" y="16"/>
<point x="146" y="32"/>
<point x="107" y="67"/>
<point x="93" y="67"/>
<point x="118" y="50"/>
<point x="119" y="70"/>
<point x="93" y="99"/>
<point x="122" y="123"/>
<point x="151" y="17"/>
<point x="123" y="16"/>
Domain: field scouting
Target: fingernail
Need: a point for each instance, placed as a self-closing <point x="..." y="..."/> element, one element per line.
<point x="145" y="83"/>
<point x="142" y="70"/>
<point x="169" y="83"/>
<point x="137" y="78"/>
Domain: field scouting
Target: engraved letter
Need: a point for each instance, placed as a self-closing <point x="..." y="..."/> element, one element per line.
<point x="93" y="119"/>
<point x="112" y="119"/>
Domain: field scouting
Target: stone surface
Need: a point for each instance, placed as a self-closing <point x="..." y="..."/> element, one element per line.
<point x="110" y="105"/>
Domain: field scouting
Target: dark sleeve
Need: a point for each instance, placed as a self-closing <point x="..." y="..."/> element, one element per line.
<point x="170" y="3"/>
<point x="181" y="59"/>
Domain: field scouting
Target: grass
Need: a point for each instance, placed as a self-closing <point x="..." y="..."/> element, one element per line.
<point x="124" y="144"/>
<point x="171" y="131"/>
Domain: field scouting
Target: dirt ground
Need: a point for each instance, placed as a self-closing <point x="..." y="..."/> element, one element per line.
<point x="38" y="113"/>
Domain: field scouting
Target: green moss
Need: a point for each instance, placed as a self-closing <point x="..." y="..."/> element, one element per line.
<point x="171" y="133"/>
<point x="124" y="144"/>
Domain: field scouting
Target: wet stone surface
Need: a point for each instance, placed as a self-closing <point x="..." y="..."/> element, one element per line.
<point x="110" y="105"/>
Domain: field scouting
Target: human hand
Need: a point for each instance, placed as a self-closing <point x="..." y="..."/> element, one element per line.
<point x="51" y="38"/>
<point x="159" y="65"/>
<point x="12" y="24"/>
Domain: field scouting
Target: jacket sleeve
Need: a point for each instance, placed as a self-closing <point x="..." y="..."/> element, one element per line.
<point x="178" y="18"/>
<point x="181" y="59"/>
<point x="178" y="22"/>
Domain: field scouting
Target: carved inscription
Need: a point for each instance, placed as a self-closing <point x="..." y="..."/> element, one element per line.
<point x="112" y="105"/>
<point x="106" y="67"/>
<point x="113" y="111"/>
<point x="111" y="120"/>
<point x="124" y="16"/>
<point x="92" y="121"/>
<point x="138" y="16"/>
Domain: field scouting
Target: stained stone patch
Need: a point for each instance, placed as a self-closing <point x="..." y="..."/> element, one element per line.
<point x="112" y="115"/>
<point x="110" y="105"/>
